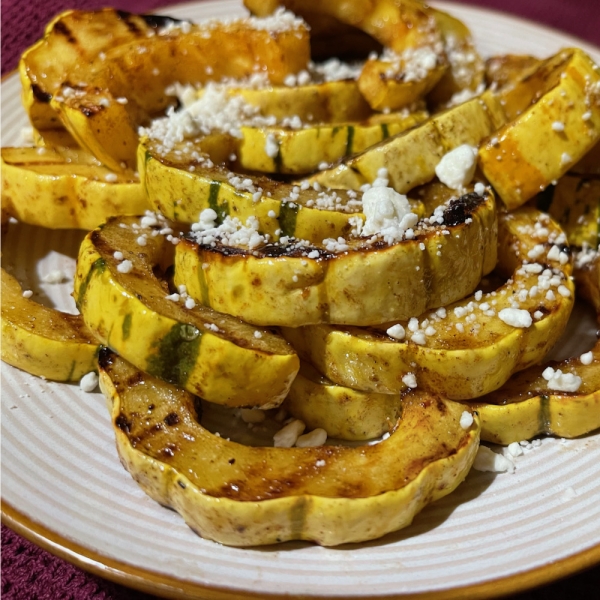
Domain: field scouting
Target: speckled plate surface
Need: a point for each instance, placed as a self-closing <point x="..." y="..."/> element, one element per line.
<point x="63" y="485"/>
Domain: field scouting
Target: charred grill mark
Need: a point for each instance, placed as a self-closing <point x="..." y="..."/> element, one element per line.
<point x="91" y="110"/>
<point x="169" y="450"/>
<point x="460" y="209"/>
<point x="60" y="27"/>
<point x="126" y="17"/>
<point x="106" y="357"/>
<point x="39" y="94"/>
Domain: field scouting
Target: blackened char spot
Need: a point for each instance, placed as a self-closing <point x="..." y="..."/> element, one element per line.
<point x="159" y="21"/>
<point x="105" y="357"/>
<point x="39" y="94"/>
<point x="172" y="419"/>
<point x="126" y="18"/>
<point x="60" y="27"/>
<point x="122" y="423"/>
<point x="460" y="209"/>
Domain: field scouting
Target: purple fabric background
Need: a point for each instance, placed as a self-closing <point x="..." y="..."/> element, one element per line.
<point x="29" y="573"/>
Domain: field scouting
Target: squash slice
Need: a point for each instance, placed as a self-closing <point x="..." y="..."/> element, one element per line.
<point x="302" y="151"/>
<point x="73" y="37"/>
<point x="411" y="157"/>
<point x="62" y="189"/>
<point x="103" y="103"/>
<point x="246" y="496"/>
<point x="369" y="283"/>
<point x="43" y="341"/>
<point x="183" y="182"/>
<point x="469" y="351"/>
<point x="344" y="413"/>
<point x="558" y="125"/>
<point x="212" y="355"/>
<point x="526" y="406"/>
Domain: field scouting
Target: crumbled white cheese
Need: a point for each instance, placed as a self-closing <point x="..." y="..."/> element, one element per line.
<point x="479" y="188"/>
<point x="409" y="380"/>
<point x="89" y="382"/>
<point x="56" y="276"/>
<point x="387" y="213"/>
<point x="287" y="436"/>
<point x="466" y="419"/>
<point x="396" y="331"/>
<point x="316" y="437"/>
<point x="27" y="293"/>
<point x="515" y="449"/>
<point x="562" y="382"/>
<point x="457" y="167"/>
<point x="125" y="267"/>
<point x="271" y="146"/>
<point x="558" y="126"/>
<point x="488" y="460"/>
<point x="515" y="317"/>
<point x="586" y="358"/>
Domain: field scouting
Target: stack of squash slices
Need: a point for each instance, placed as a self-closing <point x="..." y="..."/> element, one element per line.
<point x="167" y="359"/>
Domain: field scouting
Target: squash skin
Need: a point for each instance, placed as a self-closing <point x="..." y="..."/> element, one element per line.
<point x="130" y="313"/>
<point x="467" y="123"/>
<point x="43" y="341"/>
<point x="528" y="153"/>
<point x="363" y="286"/>
<point x="294" y="498"/>
<point x="72" y="192"/>
<point x="457" y="365"/>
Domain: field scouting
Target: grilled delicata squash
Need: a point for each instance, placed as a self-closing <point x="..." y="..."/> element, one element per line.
<point x="65" y="190"/>
<point x="328" y="494"/>
<point x="464" y="350"/>
<point x="73" y="37"/>
<point x="527" y="405"/>
<point x="344" y="413"/>
<point x="103" y="102"/>
<point x="558" y="125"/>
<point x="213" y="355"/>
<point x="184" y="181"/>
<point x="411" y="157"/>
<point x="365" y="282"/>
<point x="43" y="341"/>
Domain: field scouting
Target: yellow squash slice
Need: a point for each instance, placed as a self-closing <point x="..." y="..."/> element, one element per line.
<point x="302" y="151"/>
<point x="62" y="189"/>
<point x="466" y="349"/>
<point x="329" y="494"/>
<point x="183" y="182"/>
<point x="411" y="157"/>
<point x="43" y="341"/>
<point x="344" y="413"/>
<point x="527" y="406"/>
<point x="559" y="124"/>
<point x="71" y="38"/>
<point x="212" y="355"/>
<point x="104" y="102"/>
<point x="367" y="283"/>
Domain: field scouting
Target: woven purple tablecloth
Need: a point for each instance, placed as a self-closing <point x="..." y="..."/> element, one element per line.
<point x="30" y="573"/>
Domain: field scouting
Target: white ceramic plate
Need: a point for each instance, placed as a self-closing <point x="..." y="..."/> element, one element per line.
<point x="63" y="485"/>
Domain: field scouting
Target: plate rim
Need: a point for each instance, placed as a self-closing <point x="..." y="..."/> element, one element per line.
<point x="148" y="581"/>
<point x="153" y="582"/>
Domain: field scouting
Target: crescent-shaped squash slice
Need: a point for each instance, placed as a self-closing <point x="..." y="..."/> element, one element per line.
<point x="527" y="405"/>
<point x="365" y="283"/>
<point x="411" y="157"/>
<point x="59" y="190"/>
<point x="103" y="103"/>
<point x="465" y="349"/>
<point x="43" y="341"/>
<point x="213" y="355"/>
<point x="344" y="413"/>
<point x="246" y="496"/>
<point x="558" y="122"/>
